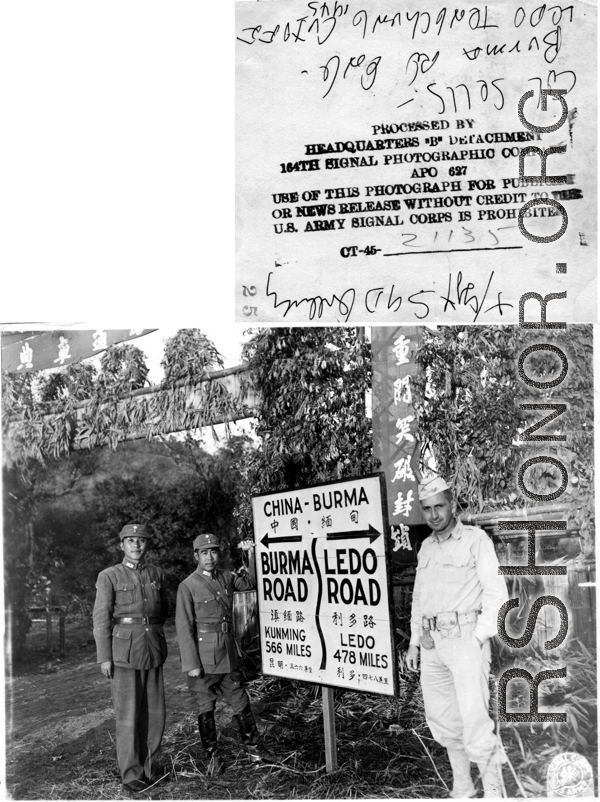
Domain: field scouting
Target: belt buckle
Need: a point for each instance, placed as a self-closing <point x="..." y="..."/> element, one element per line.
<point x="224" y="626"/>
<point x="146" y="619"/>
<point x="448" y="624"/>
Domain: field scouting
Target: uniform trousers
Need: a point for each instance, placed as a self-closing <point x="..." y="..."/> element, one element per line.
<point x="455" y="682"/>
<point x="231" y="685"/>
<point x="139" y="700"/>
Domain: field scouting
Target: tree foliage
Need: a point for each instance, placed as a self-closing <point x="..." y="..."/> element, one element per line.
<point x="189" y="357"/>
<point x="468" y="401"/>
<point x="17" y="579"/>
<point x="465" y="398"/>
<point x="123" y="368"/>
<point x="28" y="563"/>
<point x="576" y="453"/>
<point x="200" y="499"/>
<point x="311" y="420"/>
<point x="61" y="530"/>
<point x="47" y="415"/>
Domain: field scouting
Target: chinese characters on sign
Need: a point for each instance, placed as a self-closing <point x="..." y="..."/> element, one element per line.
<point x="39" y="350"/>
<point x="63" y="350"/>
<point x="322" y="585"/>
<point x="395" y="430"/>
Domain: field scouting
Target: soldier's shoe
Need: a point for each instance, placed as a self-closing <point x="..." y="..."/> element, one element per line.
<point x="491" y="776"/>
<point x="462" y="787"/>
<point x="135" y="786"/>
<point x="252" y="739"/>
<point x="208" y="736"/>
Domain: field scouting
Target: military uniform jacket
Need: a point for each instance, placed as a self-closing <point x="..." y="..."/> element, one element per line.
<point x="206" y="602"/>
<point x="458" y="574"/>
<point x="125" y="590"/>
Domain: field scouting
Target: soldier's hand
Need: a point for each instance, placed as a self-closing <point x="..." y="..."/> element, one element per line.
<point x="107" y="669"/>
<point x="246" y="545"/>
<point x="196" y="672"/>
<point x="412" y="657"/>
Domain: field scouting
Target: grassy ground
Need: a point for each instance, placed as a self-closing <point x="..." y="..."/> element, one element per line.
<point x="62" y="744"/>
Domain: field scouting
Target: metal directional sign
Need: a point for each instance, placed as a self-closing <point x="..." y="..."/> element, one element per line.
<point x="324" y="600"/>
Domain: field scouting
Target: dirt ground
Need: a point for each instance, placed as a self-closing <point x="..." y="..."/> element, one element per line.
<point x="60" y="721"/>
<point x="60" y="736"/>
<point x="61" y="729"/>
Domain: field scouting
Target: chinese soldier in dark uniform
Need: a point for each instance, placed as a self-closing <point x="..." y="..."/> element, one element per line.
<point x="209" y="653"/>
<point x="129" y="613"/>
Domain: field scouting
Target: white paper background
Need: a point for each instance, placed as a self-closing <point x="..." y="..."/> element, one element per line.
<point x="285" y="104"/>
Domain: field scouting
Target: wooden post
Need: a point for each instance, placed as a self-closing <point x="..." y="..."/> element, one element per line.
<point x="8" y="647"/>
<point x="49" y="629"/>
<point x="329" y="727"/>
<point x="245" y="617"/>
<point x="61" y="634"/>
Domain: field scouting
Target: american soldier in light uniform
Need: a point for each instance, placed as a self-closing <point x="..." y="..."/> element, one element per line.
<point x="457" y="596"/>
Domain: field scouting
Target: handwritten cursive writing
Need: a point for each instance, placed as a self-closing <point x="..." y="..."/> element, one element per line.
<point x="317" y="304"/>
<point x="462" y="293"/>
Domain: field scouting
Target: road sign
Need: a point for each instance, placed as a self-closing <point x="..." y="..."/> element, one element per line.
<point x="325" y="607"/>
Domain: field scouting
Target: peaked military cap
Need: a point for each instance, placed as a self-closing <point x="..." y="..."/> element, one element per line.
<point x="431" y="487"/>
<point x="134" y="530"/>
<point x="203" y="542"/>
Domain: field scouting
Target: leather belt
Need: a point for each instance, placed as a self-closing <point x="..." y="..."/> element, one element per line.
<point x="146" y="619"/>
<point x="222" y="626"/>
<point x="463" y="618"/>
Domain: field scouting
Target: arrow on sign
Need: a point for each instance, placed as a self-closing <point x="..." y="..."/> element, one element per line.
<point x="371" y="533"/>
<point x="266" y="541"/>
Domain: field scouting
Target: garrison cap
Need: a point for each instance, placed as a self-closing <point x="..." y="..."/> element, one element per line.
<point x="203" y="542"/>
<point x="431" y="487"/>
<point x="134" y="530"/>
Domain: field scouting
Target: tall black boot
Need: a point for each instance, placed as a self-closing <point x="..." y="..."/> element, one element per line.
<point x="251" y="737"/>
<point x="208" y="735"/>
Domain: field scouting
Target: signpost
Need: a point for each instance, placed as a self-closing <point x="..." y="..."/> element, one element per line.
<point x="325" y="608"/>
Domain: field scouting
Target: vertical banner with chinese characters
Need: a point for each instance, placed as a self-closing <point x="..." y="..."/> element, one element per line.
<point x="325" y="608"/>
<point x="395" y="431"/>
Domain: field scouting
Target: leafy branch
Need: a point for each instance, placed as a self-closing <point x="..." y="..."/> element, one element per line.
<point x="467" y="402"/>
<point x="48" y="415"/>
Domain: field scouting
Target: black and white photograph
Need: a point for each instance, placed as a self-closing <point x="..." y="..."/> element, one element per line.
<point x="298" y="377"/>
<point x="335" y="563"/>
